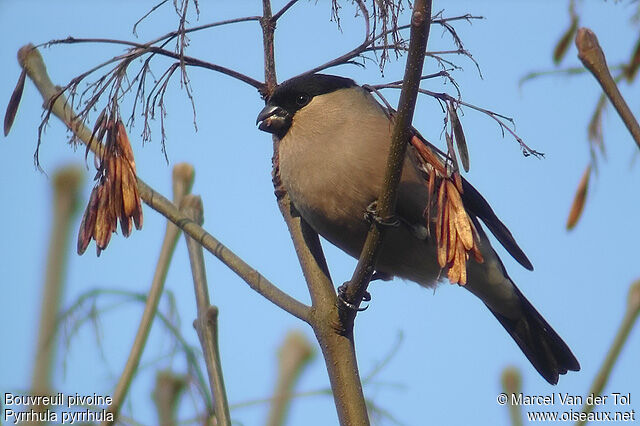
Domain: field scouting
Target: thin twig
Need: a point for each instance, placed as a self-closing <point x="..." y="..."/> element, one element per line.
<point x="347" y="57"/>
<point x="282" y="11"/>
<point x="146" y="15"/>
<point x="139" y="49"/>
<point x="526" y="150"/>
<point x="206" y="324"/>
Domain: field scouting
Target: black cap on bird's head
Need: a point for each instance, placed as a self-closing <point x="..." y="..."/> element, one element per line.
<point x="294" y="94"/>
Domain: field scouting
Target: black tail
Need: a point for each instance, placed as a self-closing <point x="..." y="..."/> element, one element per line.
<point x="548" y="353"/>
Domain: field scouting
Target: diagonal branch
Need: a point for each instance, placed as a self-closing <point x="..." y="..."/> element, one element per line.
<point x="356" y="288"/>
<point x="282" y="11"/>
<point x="592" y="56"/>
<point x="30" y="60"/>
<point x="347" y="57"/>
<point x="139" y="49"/>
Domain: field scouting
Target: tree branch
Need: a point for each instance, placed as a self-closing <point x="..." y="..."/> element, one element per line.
<point x="206" y="324"/>
<point x="139" y="49"/>
<point x="182" y="182"/>
<point x="512" y="385"/>
<point x="357" y="286"/>
<point x="67" y="183"/>
<point x="294" y="355"/>
<point x="347" y="57"/>
<point x="30" y="59"/>
<point x="629" y="319"/>
<point x="592" y="56"/>
<point x="337" y="347"/>
<point x="282" y="11"/>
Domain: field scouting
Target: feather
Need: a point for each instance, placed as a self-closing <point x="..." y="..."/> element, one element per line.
<point x="478" y="206"/>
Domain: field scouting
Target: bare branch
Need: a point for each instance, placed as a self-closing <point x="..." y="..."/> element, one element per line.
<point x="146" y="15"/>
<point x="592" y="57"/>
<point x="526" y="150"/>
<point x="206" y="323"/>
<point x="347" y="57"/>
<point x="622" y="335"/>
<point x="356" y="288"/>
<point x="282" y="11"/>
<point x="388" y="19"/>
<point x="141" y="49"/>
<point x="182" y="182"/>
<point x="31" y="60"/>
<point x="67" y="185"/>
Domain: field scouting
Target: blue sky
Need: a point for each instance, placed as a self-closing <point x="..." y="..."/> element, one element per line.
<point x="447" y="367"/>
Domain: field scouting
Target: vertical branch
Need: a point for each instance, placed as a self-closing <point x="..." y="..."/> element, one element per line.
<point x="337" y="347"/>
<point x="182" y="180"/>
<point x="305" y="240"/>
<point x="630" y="317"/>
<point x="66" y="187"/>
<point x="420" y="25"/>
<point x="512" y="385"/>
<point x="206" y="324"/>
<point x="166" y="395"/>
<point x="294" y="354"/>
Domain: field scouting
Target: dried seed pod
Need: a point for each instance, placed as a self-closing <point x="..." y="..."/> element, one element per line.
<point x="461" y="218"/>
<point x="14" y="102"/>
<point x="137" y="215"/>
<point x="452" y="241"/>
<point x="462" y="261"/>
<point x="124" y="145"/>
<point x="102" y="230"/>
<point x="116" y="196"/>
<point x="579" y="199"/>
<point x="461" y="141"/>
<point x="128" y="191"/>
<point x="631" y="70"/>
<point x="440" y="213"/>
<point x="463" y="229"/>
<point x="594" y="129"/>
<point x="88" y="223"/>
<point x="429" y="156"/>
<point x="432" y="183"/>
<point x="562" y="46"/>
<point x="452" y="152"/>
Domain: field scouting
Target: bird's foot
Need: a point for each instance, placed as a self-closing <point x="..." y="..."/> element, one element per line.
<point x="372" y="216"/>
<point x="341" y="293"/>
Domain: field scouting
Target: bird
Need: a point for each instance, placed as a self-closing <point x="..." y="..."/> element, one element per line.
<point x="333" y="139"/>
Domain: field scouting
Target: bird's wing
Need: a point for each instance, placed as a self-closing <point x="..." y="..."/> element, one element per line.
<point x="475" y="204"/>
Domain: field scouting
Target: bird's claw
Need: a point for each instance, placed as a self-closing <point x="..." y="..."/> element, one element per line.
<point x="372" y="216"/>
<point x="341" y="292"/>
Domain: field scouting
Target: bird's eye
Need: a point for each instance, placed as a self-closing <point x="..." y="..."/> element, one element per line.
<point x="302" y="99"/>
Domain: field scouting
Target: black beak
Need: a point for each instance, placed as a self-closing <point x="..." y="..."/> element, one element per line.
<point x="274" y="119"/>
